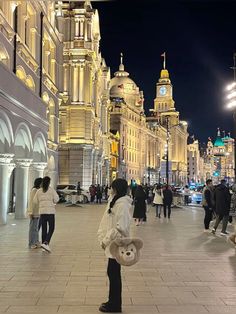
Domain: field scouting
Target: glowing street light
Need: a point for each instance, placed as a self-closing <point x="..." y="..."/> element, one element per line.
<point x="231" y="88"/>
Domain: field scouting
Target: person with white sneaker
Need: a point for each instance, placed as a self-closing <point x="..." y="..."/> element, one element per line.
<point x="222" y="200"/>
<point x="33" y="212"/>
<point x="46" y="198"/>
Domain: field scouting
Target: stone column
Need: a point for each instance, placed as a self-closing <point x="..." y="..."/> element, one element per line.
<point x="6" y="167"/>
<point x="21" y="187"/>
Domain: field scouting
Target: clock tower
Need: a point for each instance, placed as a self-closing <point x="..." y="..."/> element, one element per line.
<point x="164" y="104"/>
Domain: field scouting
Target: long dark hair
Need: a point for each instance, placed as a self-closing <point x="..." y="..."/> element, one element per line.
<point x="45" y="184"/>
<point x="120" y="186"/>
<point x="139" y="193"/>
<point x="37" y="183"/>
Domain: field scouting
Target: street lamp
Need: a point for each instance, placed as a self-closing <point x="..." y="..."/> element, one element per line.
<point x="231" y="97"/>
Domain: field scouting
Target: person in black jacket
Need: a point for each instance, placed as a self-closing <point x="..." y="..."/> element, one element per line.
<point x="139" y="205"/>
<point x="208" y="203"/>
<point x="167" y="200"/>
<point x="222" y="199"/>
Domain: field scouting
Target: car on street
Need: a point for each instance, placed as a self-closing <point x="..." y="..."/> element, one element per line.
<point x="66" y="190"/>
<point x="196" y="197"/>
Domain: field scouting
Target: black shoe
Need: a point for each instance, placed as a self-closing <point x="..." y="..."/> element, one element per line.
<point x="105" y="308"/>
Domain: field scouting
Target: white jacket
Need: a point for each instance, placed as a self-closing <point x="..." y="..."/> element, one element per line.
<point x="46" y="201"/>
<point x="33" y="209"/>
<point x="158" y="198"/>
<point x="115" y="224"/>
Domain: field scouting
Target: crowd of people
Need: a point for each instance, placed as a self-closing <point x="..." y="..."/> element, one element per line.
<point x="97" y="193"/>
<point x="218" y="202"/>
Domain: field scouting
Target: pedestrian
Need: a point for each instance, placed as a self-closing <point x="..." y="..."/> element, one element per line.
<point x="106" y="192"/>
<point x="46" y="198"/>
<point x="133" y="187"/>
<point x="158" y="199"/>
<point x="232" y="237"/>
<point x="222" y="201"/>
<point x="78" y="189"/>
<point x="115" y="224"/>
<point x="99" y="194"/>
<point x="92" y="191"/>
<point x="186" y="195"/>
<point x="167" y="200"/>
<point x="208" y="203"/>
<point x="140" y="206"/>
<point x="33" y="212"/>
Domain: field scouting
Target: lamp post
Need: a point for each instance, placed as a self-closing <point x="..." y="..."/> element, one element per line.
<point x="167" y="150"/>
<point x="231" y="97"/>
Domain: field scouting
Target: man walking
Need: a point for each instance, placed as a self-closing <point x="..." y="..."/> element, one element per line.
<point x="208" y="203"/>
<point x="167" y="200"/>
<point x="222" y="199"/>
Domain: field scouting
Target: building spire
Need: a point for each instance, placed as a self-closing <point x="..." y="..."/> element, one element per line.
<point x="218" y="132"/>
<point x="164" y="60"/>
<point x="121" y="67"/>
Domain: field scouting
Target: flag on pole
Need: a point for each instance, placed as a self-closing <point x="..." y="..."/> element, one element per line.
<point x="164" y="61"/>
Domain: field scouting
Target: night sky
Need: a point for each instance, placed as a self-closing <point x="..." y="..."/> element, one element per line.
<point x="199" y="38"/>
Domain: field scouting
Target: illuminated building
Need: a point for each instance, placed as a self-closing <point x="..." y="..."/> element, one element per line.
<point x="194" y="163"/>
<point x="30" y="50"/>
<point x="140" y="145"/>
<point x="165" y="115"/>
<point x="84" y="151"/>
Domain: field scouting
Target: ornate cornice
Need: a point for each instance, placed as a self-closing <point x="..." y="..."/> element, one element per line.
<point x="23" y="163"/>
<point x="39" y="165"/>
<point x="6" y="158"/>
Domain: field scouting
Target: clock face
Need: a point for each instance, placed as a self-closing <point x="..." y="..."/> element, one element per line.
<point x="162" y="90"/>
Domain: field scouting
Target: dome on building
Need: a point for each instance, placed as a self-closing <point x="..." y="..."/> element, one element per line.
<point x="124" y="87"/>
<point x="218" y="142"/>
<point x="164" y="74"/>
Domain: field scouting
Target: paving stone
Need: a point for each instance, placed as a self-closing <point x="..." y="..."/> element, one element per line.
<point x="181" y="270"/>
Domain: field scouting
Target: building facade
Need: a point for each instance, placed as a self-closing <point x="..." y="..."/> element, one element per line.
<point x="195" y="163"/>
<point x="140" y="145"/>
<point x="165" y="115"/>
<point x="84" y="151"/>
<point x="219" y="159"/>
<point x="30" y="50"/>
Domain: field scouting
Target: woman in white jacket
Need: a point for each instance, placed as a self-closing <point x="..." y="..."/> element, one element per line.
<point x="33" y="212"/>
<point x="46" y="198"/>
<point x="115" y="223"/>
<point x="158" y="200"/>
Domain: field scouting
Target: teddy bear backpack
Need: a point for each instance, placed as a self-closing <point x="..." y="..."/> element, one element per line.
<point x="126" y="251"/>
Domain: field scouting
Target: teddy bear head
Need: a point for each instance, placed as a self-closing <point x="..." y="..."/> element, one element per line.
<point x="126" y="251"/>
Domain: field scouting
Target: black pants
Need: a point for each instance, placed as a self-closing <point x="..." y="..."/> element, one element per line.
<point x="115" y="287"/>
<point x="169" y="210"/>
<point x="208" y="217"/>
<point x="224" y="218"/>
<point x="48" y="226"/>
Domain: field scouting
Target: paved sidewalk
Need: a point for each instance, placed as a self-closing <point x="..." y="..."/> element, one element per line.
<point x="182" y="269"/>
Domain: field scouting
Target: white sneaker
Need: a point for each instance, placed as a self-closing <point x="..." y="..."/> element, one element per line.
<point x="46" y="247"/>
<point x="224" y="233"/>
<point x="33" y="246"/>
